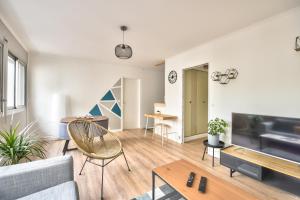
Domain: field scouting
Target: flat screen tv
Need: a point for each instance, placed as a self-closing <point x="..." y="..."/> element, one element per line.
<point x="277" y="136"/>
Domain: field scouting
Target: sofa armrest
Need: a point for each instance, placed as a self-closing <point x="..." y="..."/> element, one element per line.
<point x="27" y="178"/>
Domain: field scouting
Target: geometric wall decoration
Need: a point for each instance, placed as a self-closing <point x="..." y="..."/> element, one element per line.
<point x="224" y="78"/>
<point x="108" y="96"/>
<point x="116" y="109"/>
<point x="95" y="111"/>
<point x="114" y="122"/>
<point x="118" y="83"/>
<point x="110" y="106"/>
<point x="116" y="92"/>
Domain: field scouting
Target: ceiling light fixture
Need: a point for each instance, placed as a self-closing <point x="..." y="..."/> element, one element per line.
<point x="123" y="51"/>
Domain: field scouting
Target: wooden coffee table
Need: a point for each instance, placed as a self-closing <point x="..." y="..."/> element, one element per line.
<point x="175" y="174"/>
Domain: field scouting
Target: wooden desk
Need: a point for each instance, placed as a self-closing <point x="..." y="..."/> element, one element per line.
<point x="176" y="174"/>
<point x="161" y="116"/>
<point x="158" y="116"/>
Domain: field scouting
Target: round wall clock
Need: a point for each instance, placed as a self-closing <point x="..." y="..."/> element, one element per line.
<point x="172" y="77"/>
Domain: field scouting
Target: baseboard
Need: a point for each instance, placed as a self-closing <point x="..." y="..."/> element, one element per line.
<point x="195" y="137"/>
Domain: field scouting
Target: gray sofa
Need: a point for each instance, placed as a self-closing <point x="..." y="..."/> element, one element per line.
<point x="49" y="179"/>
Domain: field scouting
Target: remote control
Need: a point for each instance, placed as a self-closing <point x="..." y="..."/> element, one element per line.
<point x="202" y="185"/>
<point x="190" y="181"/>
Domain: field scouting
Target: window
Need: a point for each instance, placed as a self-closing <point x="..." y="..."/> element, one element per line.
<point x="20" y="85"/>
<point x="11" y="66"/>
<point x="15" y="83"/>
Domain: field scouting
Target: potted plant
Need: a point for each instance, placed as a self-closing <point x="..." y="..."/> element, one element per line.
<point x="215" y="128"/>
<point x="16" y="147"/>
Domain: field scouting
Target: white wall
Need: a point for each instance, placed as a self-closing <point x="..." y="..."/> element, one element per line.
<point x="84" y="82"/>
<point x="269" y="71"/>
<point x="13" y="45"/>
<point x="15" y="48"/>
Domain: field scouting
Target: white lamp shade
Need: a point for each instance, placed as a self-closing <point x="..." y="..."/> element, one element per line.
<point x="58" y="107"/>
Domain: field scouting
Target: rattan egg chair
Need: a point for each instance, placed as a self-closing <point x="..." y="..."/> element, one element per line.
<point x="95" y="142"/>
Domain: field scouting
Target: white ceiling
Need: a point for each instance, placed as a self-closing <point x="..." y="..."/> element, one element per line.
<point x="157" y="28"/>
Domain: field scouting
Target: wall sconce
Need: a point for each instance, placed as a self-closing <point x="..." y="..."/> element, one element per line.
<point x="297" y="44"/>
<point x="224" y="78"/>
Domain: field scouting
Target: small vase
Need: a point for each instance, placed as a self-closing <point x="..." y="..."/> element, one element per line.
<point x="213" y="139"/>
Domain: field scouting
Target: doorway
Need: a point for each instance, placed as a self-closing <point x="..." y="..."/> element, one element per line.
<point x="195" y="98"/>
<point x="131" y="103"/>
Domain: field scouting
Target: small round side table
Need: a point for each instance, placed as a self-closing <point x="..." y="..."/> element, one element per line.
<point x="219" y="146"/>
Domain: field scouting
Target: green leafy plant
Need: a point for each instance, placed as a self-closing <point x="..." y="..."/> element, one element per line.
<point x="20" y="146"/>
<point x="217" y="126"/>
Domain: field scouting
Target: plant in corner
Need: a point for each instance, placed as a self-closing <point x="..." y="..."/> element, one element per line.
<point x="215" y="128"/>
<point x="16" y="147"/>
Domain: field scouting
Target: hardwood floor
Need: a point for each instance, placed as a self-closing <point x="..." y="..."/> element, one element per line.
<point x="143" y="154"/>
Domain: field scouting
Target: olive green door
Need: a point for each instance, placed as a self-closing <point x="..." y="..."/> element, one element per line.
<point x="195" y="102"/>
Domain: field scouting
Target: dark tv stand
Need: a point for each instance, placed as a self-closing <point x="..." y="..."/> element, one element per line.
<point x="270" y="170"/>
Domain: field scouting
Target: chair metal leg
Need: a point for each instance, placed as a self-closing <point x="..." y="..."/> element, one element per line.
<point x="162" y="135"/>
<point x="102" y="180"/>
<point x="167" y="134"/>
<point x="126" y="160"/>
<point x="83" y="165"/>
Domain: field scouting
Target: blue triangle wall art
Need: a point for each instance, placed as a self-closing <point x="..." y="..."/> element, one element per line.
<point x="108" y="96"/>
<point x="96" y="111"/>
<point x="116" y="109"/>
<point x="110" y="106"/>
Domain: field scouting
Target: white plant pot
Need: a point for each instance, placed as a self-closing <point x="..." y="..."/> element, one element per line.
<point x="213" y="139"/>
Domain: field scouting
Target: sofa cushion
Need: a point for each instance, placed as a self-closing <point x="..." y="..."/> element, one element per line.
<point x="64" y="191"/>
<point x="27" y="178"/>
